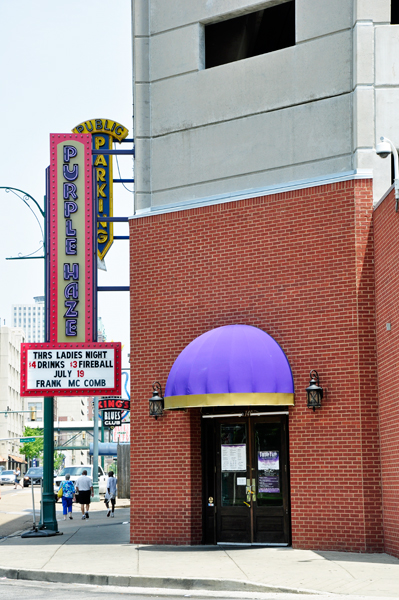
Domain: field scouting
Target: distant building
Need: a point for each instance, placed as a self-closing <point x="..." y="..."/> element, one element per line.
<point x="30" y="318"/>
<point x="73" y="409"/>
<point x="12" y="422"/>
<point x="101" y="335"/>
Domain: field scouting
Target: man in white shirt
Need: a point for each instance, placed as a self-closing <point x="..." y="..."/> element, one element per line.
<point x="84" y="489"/>
<point x="111" y="493"/>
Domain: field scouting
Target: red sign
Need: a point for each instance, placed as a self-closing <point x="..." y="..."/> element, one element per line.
<point x="105" y="403"/>
<point x="90" y="369"/>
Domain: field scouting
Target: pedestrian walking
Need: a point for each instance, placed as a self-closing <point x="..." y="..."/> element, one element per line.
<point x="110" y="495"/>
<point x="68" y="493"/>
<point x="17" y="474"/>
<point x="84" y="490"/>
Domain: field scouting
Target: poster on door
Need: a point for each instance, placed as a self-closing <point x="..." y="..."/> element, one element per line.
<point x="268" y="472"/>
<point x="234" y="457"/>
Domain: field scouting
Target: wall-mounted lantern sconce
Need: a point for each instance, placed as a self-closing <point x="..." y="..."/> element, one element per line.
<point x="314" y="392"/>
<point x="156" y="402"/>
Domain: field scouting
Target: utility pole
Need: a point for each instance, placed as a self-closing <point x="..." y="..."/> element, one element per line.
<point x="96" y="497"/>
<point x="49" y="522"/>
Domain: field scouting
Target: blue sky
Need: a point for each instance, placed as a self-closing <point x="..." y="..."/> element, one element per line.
<point x="60" y="63"/>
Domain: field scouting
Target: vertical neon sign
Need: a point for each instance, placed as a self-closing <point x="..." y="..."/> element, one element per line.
<point x="71" y="249"/>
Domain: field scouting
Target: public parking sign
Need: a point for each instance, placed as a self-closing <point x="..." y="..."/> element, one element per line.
<point x="87" y="369"/>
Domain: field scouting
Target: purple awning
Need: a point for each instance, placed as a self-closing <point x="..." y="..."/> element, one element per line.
<point x="234" y="359"/>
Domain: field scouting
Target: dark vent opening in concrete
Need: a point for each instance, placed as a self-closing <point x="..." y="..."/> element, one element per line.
<point x="256" y="33"/>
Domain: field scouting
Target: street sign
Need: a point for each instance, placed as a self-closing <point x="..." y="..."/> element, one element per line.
<point x="26" y="440"/>
<point x="87" y="369"/>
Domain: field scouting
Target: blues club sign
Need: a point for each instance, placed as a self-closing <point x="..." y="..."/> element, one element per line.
<point x="103" y="132"/>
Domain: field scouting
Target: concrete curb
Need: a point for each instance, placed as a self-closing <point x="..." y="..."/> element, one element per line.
<point x="137" y="581"/>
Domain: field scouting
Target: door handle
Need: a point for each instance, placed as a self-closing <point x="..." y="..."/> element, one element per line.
<point x="250" y="494"/>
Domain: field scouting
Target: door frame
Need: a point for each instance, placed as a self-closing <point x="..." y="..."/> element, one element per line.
<point x="210" y="442"/>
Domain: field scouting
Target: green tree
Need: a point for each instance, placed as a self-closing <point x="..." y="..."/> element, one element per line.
<point x="58" y="458"/>
<point x="35" y="449"/>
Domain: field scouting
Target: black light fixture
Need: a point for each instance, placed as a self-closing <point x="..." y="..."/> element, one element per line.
<point x="156" y="402"/>
<point x="314" y="391"/>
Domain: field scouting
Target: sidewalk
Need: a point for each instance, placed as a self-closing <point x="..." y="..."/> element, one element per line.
<point x="97" y="551"/>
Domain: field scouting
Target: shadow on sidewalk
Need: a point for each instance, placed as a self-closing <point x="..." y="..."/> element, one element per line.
<point x="19" y="523"/>
<point x="358" y="557"/>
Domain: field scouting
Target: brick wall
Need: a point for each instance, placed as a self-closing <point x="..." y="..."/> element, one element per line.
<point x="299" y="265"/>
<point x="386" y="222"/>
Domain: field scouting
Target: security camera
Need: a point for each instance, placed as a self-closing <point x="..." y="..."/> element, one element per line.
<point x="383" y="149"/>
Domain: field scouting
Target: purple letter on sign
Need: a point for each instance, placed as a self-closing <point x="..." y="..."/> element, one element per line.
<point x="71" y="273"/>
<point x="70" y="175"/>
<point x="69" y="208"/>
<point x="70" y="189"/>
<point x="70" y="246"/>
<point x="71" y="305"/>
<point x="72" y="291"/>
<point x="69" y="152"/>
<point x="69" y="229"/>
<point x="70" y="327"/>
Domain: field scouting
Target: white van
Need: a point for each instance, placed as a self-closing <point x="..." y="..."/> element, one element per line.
<point x="75" y="472"/>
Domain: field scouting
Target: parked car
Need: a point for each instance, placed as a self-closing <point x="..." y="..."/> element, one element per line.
<point x="7" y="477"/>
<point x="34" y="474"/>
<point x="75" y="472"/>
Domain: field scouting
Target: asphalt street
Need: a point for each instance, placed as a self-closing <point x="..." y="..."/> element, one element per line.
<point x="15" y="589"/>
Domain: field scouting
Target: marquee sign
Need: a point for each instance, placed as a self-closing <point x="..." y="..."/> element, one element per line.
<point x="70" y="369"/>
<point x="71" y="362"/>
<point x="103" y="132"/>
<point x="70" y="243"/>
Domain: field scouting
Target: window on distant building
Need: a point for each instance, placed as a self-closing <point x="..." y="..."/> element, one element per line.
<point x="249" y="35"/>
<point x="394" y="12"/>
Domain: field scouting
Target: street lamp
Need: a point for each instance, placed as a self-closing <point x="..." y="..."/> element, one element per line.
<point x="384" y="149"/>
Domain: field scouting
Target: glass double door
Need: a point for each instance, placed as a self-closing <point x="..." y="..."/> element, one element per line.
<point x="252" y="500"/>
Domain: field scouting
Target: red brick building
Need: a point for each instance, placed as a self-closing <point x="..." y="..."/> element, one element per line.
<point x="386" y="226"/>
<point x="200" y="269"/>
<point x="257" y="213"/>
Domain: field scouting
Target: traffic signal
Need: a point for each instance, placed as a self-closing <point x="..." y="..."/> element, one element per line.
<point x="33" y="414"/>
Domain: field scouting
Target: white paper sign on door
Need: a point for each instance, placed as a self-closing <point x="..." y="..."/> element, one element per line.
<point x="234" y="458"/>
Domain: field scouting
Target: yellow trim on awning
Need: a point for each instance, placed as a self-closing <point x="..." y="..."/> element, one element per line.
<point x="228" y="400"/>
